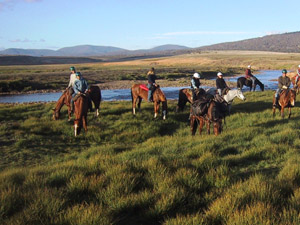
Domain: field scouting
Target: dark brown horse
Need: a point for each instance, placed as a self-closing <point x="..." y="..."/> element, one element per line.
<point x="241" y="81"/>
<point x="296" y="86"/>
<point x="213" y="114"/>
<point x="80" y="112"/>
<point x="287" y="99"/>
<point x="65" y="99"/>
<point x="139" y="92"/>
<point x="185" y="95"/>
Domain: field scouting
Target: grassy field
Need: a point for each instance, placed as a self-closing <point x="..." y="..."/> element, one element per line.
<point x="137" y="170"/>
<point x="171" y="69"/>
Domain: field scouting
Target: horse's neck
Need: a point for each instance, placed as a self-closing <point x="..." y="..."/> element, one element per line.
<point x="158" y="95"/>
<point x="231" y="94"/>
<point x="60" y="103"/>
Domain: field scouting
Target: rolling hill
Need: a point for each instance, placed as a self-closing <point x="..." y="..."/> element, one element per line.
<point x="92" y="50"/>
<point x="287" y="42"/>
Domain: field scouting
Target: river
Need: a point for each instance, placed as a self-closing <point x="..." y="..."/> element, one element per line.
<point x="267" y="77"/>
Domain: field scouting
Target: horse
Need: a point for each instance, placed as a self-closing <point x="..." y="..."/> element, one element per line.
<point x="241" y="81"/>
<point x="214" y="114"/>
<point x="65" y="99"/>
<point x="229" y="97"/>
<point x="80" y="112"/>
<point x="296" y="86"/>
<point x="185" y="95"/>
<point x="287" y="99"/>
<point x="140" y="91"/>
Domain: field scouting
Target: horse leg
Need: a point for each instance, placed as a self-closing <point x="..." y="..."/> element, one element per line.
<point x="193" y="125"/>
<point x="282" y="112"/>
<point x="156" y="108"/>
<point x="84" y="123"/>
<point x="201" y="124"/>
<point x="69" y="112"/>
<point x="139" y="103"/>
<point x="290" y="112"/>
<point x="133" y="105"/>
<point x="208" y="126"/>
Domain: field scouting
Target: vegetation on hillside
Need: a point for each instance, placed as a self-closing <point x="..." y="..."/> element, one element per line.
<point x="137" y="170"/>
<point x="287" y="42"/>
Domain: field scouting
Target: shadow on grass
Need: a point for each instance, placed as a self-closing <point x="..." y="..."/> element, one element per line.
<point x="251" y="107"/>
<point x="277" y="120"/>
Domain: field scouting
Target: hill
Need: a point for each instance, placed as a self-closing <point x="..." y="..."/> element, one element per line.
<point x="31" y="60"/>
<point x="287" y="42"/>
<point x="92" y="50"/>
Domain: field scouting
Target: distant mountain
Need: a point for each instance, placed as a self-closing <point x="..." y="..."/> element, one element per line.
<point x="29" y="52"/>
<point x="287" y="42"/>
<point x="90" y="50"/>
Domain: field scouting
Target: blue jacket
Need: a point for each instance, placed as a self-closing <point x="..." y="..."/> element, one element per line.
<point x="80" y="86"/>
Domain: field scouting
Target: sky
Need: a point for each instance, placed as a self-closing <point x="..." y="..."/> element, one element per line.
<point x="141" y="24"/>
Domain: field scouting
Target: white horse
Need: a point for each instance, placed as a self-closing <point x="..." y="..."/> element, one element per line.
<point x="231" y="94"/>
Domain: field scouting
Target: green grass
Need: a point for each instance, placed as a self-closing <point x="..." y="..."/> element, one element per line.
<point x="137" y="170"/>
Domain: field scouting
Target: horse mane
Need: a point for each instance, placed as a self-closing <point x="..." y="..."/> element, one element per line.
<point x="60" y="102"/>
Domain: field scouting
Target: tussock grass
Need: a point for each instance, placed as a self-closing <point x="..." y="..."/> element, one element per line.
<point x="136" y="170"/>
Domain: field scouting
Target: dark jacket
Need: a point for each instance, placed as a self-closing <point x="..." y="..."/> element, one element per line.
<point x="284" y="81"/>
<point x="220" y="83"/>
<point x="151" y="78"/>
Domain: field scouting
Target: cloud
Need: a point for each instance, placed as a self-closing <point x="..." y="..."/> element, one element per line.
<point x="9" y="4"/>
<point x="26" y="40"/>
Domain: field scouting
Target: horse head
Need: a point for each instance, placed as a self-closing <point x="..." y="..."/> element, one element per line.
<point x="240" y="95"/>
<point x="56" y="114"/>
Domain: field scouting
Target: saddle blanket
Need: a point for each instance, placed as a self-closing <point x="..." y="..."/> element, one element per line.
<point x="144" y="87"/>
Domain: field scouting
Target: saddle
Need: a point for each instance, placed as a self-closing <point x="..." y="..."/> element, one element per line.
<point x="225" y="91"/>
<point x="77" y="96"/>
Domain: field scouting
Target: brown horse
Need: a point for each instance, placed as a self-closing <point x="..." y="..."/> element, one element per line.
<point x="80" y="112"/>
<point x="296" y="86"/>
<point x="139" y="92"/>
<point x="185" y="95"/>
<point x="287" y="99"/>
<point x="213" y="114"/>
<point x="65" y="99"/>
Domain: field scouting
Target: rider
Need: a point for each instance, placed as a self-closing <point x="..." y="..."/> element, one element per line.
<point x="249" y="75"/>
<point x="221" y="84"/>
<point x="284" y="82"/>
<point x="151" y="83"/>
<point x="195" y="84"/>
<point x="72" y="80"/>
<point x="297" y="76"/>
<point x="80" y="86"/>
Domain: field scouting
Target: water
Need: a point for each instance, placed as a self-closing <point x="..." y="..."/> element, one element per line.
<point x="267" y="77"/>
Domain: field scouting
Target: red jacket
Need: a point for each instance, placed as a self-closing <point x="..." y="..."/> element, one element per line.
<point x="248" y="73"/>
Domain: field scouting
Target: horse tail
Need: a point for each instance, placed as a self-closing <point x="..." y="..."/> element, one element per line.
<point x="239" y="83"/>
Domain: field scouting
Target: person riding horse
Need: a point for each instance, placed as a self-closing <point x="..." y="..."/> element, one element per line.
<point x="297" y="76"/>
<point x="249" y="75"/>
<point x="221" y="84"/>
<point x="80" y="87"/>
<point x="151" y="83"/>
<point x="72" y="80"/>
<point x="284" y="82"/>
<point x="195" y="84"/>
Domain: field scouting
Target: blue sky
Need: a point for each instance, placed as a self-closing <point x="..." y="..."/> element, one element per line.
<point x="141" y="24"/>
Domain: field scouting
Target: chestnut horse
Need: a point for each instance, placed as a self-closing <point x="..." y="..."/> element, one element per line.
<point x="296" y="86"/>
<point x="241" y="81"/>
<point x="65" y="99"/>
<point x="287" y="99"/>
<point x="185" y="95"/>
<point x="213" y="114"/>
<point x="80" y="112"/>
<point x="140" y="91"/>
